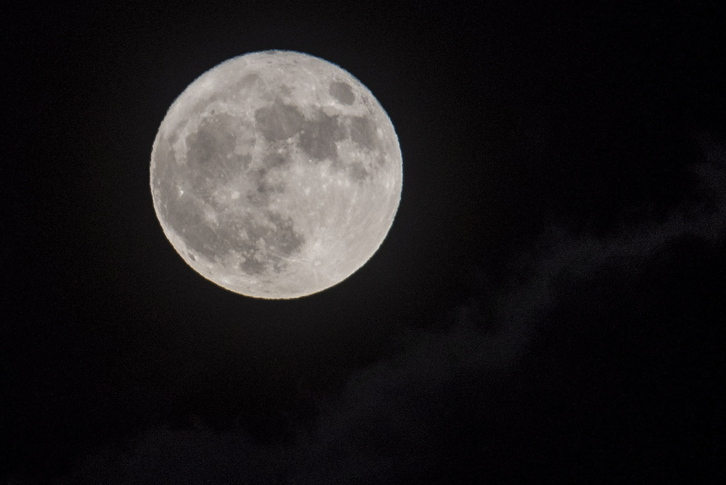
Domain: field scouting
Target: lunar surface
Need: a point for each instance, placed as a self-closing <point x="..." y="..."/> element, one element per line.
<point x="276" y="174"/>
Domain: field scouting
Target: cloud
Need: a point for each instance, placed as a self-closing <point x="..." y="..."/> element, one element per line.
<point x="565" y="258"/>
<point x="389" y="422"/>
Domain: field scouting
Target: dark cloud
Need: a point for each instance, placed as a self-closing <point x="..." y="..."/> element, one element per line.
<point x="394" y="420"/>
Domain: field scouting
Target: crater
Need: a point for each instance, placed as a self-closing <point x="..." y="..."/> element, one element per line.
<point x="342" y="92"/>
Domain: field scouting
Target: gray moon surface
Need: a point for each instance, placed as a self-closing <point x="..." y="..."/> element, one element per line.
<point x="276" y="174"/>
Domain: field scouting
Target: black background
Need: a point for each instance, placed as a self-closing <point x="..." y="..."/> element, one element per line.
<point x="546" y="307"/>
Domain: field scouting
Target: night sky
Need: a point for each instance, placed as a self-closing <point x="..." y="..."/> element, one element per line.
<point x="547" y="307"/>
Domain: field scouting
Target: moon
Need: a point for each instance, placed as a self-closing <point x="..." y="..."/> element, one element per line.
<point x="276" y="174"/>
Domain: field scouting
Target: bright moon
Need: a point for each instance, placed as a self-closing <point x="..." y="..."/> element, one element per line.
<point x="276" y="174"/>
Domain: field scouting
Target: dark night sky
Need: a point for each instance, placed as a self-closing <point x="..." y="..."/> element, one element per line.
<point x="546" y="308"/>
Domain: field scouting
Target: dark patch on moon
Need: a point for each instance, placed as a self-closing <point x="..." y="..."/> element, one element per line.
<point x="215" y="229"/>
<point x="285" y="90"/>
<point x="319" y="136"/>
<point x="264" y="244"/>
<point x="264" y="178"/>
<point x="210" y="152"/>
<point x="283" y="239"/>
<point x="247" y="81"/>
<point x="342" y="92"/>
<point x="251" y="266"/>
<point x="186" y="217"/>
<point x="278" y="121"/>
<point x="276" y="159"/>
<point x="267" y="245"/>
<point x="358" y="173"/>
<point x="363" y="132"/>
<point x="264" y="188"/>
<point x="214" y="141"/>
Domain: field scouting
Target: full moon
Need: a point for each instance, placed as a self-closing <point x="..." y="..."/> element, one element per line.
<point x="276" y="174"/>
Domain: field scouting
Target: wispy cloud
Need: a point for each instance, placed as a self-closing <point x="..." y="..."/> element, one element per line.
<point x="389" y="419"/>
